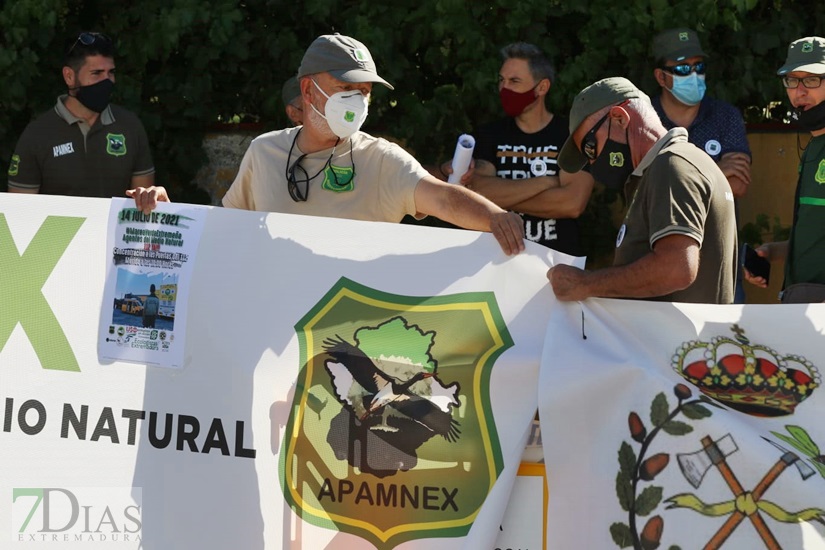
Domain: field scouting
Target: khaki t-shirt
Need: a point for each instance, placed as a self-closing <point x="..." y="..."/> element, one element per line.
<point x="683" y="192"/>
<point x="382" y="188"/>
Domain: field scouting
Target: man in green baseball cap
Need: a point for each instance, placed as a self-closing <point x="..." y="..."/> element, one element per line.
<point x="678" y="239"/>
<point x="713" y="125"/>
<point x="802" y="75"/>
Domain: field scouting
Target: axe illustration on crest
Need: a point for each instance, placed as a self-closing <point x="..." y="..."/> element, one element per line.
<point x="695" y="465"/>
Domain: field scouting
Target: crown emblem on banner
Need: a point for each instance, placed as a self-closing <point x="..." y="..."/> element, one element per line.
<point x="750" y="378"/>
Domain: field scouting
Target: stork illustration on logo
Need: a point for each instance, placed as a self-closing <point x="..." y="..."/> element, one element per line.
<point x="403" y="402"/>
<point x="392" y="413"/>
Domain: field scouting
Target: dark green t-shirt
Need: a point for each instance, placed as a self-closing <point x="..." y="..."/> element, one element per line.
<point x="53" y="156"/>
<point x="806" y="263"/>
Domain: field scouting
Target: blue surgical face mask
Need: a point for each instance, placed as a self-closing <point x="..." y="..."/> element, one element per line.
<point x="689" y="89"/>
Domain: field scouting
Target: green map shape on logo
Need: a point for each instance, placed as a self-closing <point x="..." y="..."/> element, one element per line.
<point x="616" y="159"/>
<point x="439" y="489"/>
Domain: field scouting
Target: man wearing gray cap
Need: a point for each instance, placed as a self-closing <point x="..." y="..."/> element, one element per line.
<point x="678" y="239"/>
<point x="802" y="76"/>
<point x="328" y="167"/>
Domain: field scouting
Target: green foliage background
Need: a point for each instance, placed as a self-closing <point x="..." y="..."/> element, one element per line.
<point x="185" y="65"/>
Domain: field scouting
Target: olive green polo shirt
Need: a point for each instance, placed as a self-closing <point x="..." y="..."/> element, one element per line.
<point x="59" y="154"/>
<point x="677" y="189"/>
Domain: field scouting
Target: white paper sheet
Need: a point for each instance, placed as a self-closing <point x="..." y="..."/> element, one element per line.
<point x="462" y="157"/>
<point x="151" y="258"/>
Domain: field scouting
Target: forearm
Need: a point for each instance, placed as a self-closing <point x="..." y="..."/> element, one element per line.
<point x="560" y="202"/>
<point x="465" y="208"/>
<point x="644" y="278"/>
<point x="566" y="201"/>
<point x="460" y="206"/>
<point x="672" y="265"/>
<point x="506" y="193"/>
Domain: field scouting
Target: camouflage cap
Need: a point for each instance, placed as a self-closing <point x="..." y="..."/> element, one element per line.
<point x="341" y="56"/>
<point x="676" y="45"/>
<point x="592" y="99"/>
<point x="806" y="55"/>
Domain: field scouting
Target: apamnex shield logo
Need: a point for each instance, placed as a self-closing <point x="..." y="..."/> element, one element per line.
<point x="116" y="144"/>
<point x="391" y="435"/>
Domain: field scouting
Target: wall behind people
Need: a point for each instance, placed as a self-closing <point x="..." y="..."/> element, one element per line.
<point x="184" y="66"/>
<point x="766" y="213"/>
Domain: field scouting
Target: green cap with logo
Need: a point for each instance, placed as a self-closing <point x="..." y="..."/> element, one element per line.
<point x="806" y="55"/>
<point x="676" y="45"/>
<point x="343" y="57"/>
<point x="290" y="90"/>
<point x="594" y="98"/>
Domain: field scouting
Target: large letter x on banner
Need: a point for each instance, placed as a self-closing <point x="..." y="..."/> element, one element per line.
<point x="21" y="284"/>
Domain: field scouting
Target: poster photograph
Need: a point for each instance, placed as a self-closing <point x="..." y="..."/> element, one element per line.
<point x="151" y="262"/>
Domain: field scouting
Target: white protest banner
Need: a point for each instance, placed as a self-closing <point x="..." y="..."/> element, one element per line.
<point x="152" y="257"/>
<point x="684" y="426"/>
<point x="343" y="385"/>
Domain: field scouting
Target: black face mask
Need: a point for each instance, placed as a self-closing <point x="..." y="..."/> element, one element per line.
<point x="613" y="166"/>
<point x="96" y="96"/>
<point x="811" y="120"/>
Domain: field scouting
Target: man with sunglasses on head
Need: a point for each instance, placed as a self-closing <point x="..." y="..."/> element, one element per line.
<point x="678" y="239"/>
<point x="804" y="253"/>
<point x="329" y="167"/>
<point x="84" y="146"/>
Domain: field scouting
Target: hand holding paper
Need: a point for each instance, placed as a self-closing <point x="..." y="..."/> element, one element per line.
<point x="462" y="157"/>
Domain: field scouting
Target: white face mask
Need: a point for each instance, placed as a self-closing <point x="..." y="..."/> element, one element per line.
<point x="345" y="112"/>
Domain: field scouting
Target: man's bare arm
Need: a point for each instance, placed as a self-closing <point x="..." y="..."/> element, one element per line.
<point x="507" y="192"/>
<point x="565" y="201"/>
<point x="737" y="169"/>
<point x="460" y="206"/>
<point x="672" y="265"/>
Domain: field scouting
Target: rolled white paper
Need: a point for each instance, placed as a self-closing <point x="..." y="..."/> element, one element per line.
<point x="462" y="157"/>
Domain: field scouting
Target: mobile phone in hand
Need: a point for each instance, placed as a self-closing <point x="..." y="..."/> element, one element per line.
<point x="756" y="264"/>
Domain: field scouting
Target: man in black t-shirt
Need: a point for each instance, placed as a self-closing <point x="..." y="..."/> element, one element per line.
<point x="516" y="156"/>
